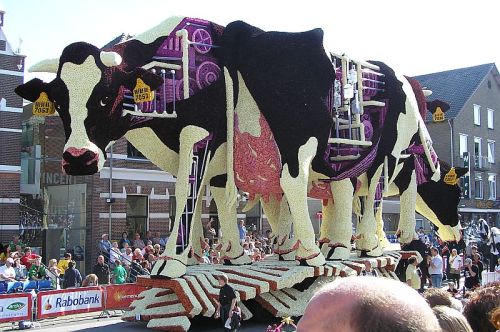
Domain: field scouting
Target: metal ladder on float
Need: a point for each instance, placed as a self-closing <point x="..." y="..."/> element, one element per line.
<point x="348" y="105"/>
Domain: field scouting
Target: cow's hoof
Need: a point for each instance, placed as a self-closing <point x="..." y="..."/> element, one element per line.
<point x="290" y="256"/>
<point x="239" y="260"/>
<point x="316" y="259"/>
<point x="168" y="268"/>
<point x="286" y="249"/>
<point x="376" y="252"/>
<point x="384" y="243"/>
<point x="340" y="253"/>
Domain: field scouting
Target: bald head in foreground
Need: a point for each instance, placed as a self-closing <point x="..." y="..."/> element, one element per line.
<point x="368" y="304"/>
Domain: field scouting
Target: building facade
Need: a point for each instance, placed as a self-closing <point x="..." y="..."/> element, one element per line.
<point x="11" y="75"/>
<point x="469" y="134"/>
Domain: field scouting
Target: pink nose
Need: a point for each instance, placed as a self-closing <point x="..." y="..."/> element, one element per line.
<point x="76" y="152"/>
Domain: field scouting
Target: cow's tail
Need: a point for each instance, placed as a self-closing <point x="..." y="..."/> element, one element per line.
<point x="430" y="154"/>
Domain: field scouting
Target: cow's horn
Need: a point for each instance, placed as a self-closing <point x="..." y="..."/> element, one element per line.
<point x="45" y="66"/>
<point x="427" y="93"/>
<point x="110" y="59"/>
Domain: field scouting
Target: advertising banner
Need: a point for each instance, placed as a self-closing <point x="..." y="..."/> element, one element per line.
<point x="121" y="296"/>
<point x="15" y="307"/>
<point x="69" y="301"/>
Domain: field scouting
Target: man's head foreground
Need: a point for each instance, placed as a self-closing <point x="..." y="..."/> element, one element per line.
<point x="367" y="304"/>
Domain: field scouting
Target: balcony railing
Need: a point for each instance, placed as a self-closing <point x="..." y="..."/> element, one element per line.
<point x="481" y="162"/>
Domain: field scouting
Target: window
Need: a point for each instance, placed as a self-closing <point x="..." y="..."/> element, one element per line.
<point x="492" y="185"/>
<point x="491" y="151"/>
<point x="132" y="152"/>
<point x="477" y="115"/>
<point x="490" y="118"/>
<point x="478" y="186"/>
<point x="477" y="152"/>
<point x="463" y="145"/>
<point x="137" y="215"/>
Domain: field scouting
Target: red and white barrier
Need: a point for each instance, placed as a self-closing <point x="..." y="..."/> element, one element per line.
<point x="121" y="296"/>
<point x="15" y="307"/>
<point x="69" y="301"/>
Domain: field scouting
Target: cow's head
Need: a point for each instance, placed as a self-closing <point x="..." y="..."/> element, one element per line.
<point x="438" y="201"/>
<point x="87" y="94"/>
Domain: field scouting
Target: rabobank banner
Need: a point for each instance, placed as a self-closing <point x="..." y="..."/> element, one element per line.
<point x="70" y="301"/>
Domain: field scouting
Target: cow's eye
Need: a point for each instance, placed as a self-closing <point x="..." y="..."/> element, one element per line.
<point x="104" y="101"/>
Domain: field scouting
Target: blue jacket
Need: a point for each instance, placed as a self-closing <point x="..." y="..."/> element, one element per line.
<point x="72" y="278"/>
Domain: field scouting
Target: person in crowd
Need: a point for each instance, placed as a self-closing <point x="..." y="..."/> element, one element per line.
<point x="437" y="296"/>
<point x="412" y="275"/>
<point x="21" y="271"/>
<point x="246" y="249"/>
<point x="119" y="273"/>
<point x="482" y="303"/>
<point x="148" y="251"/>
<point x="6" y="253"/>
<point x="90" y="280"/>
<point x="484" y="229"/>
<point x="101" y="270"/>
<point x="53" y="273"/>
<point x="369" y="270"/>
<point x="128" y="256"/>
<point x="455" y="264"/>
<point x="473" y="251"/>
<point x="495" y="318"/>
<point x="242" y="230"/>
<point x="114" y="254"/>
<point x="227" y="300"/>
<point x="105" y="247"/>
<point x="257" y="255"/>
<point x="135" y="270"/>
<point x="157" y="250"/>
<point x="436" y="268"/>
<point x="494" y="246"/>
<point x="149" y="236"/>
<point x="477" y="261"/>
<point x="124" y="249"/>
<point x="138" y="243"/>
<point x="497" y="269"/>
<point x="29" y="258"/>
<point x="124" y="240"/>
<point x="7" y="271"/>
<point x="157" y="240"/>
<point x="451" y="320"/>
<point x="37" y="271"/>
<point x="63" y="264"/>
<point x="137" y="256"/>
<point x="471" y="273"/>
<point x="214" y="257"/>
<point x="16" y="241"/>
<point x="72" y="277"/>
<point x="452" y="290"/>
<point x="209" y="231"/>
<point x="367" y="304"/>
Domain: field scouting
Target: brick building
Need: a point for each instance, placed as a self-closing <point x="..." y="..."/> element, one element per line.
<point x="11" y="75"/>
<point x="471" y="127"/>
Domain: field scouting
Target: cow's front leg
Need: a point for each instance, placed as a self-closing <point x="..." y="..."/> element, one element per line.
<point x="382" y="237"/>
<point x="196" y="238"/>
<point x="171" y="264"/>
<point x="295" y="189"/>
<point x="366" y="238"/>
<point x="407" y="222"/>
<point x="337" y="221"/>
<point x="232" y="251"/>
<point x="280" y="220"/>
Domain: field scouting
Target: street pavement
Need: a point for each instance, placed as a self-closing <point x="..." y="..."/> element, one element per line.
<point x="92" y="322"/>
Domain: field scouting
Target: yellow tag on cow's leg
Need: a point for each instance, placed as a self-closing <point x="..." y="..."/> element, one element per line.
<point x="142" y="92"/>
<point x="43" y="106"/>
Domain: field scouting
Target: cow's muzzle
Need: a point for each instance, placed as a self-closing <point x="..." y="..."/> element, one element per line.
<point x="80" y="161"/>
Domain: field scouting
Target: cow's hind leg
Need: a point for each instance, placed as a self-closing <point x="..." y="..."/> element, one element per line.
<point x="295" y="189"/>
<point x="382" y="237"/>
<point x="279" y="217"/>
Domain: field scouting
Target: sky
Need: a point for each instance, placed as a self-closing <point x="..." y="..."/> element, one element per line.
<point x="413" y="37"/>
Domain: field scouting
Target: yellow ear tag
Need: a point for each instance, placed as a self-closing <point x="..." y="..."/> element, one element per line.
<point x="142" y="92"/>
<point x="451" y="177"/>
<point x="43" y="106"/>
<point x="438" y="116"/>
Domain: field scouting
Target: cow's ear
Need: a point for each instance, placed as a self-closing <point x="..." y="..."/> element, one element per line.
<point x="461" y="171"/>
<point x="31" y="90"/>
<point x="152" y="80"/>
<point x="433" y="105"/>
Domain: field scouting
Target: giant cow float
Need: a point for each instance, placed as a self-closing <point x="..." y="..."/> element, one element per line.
<point x="267" y="113"/>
